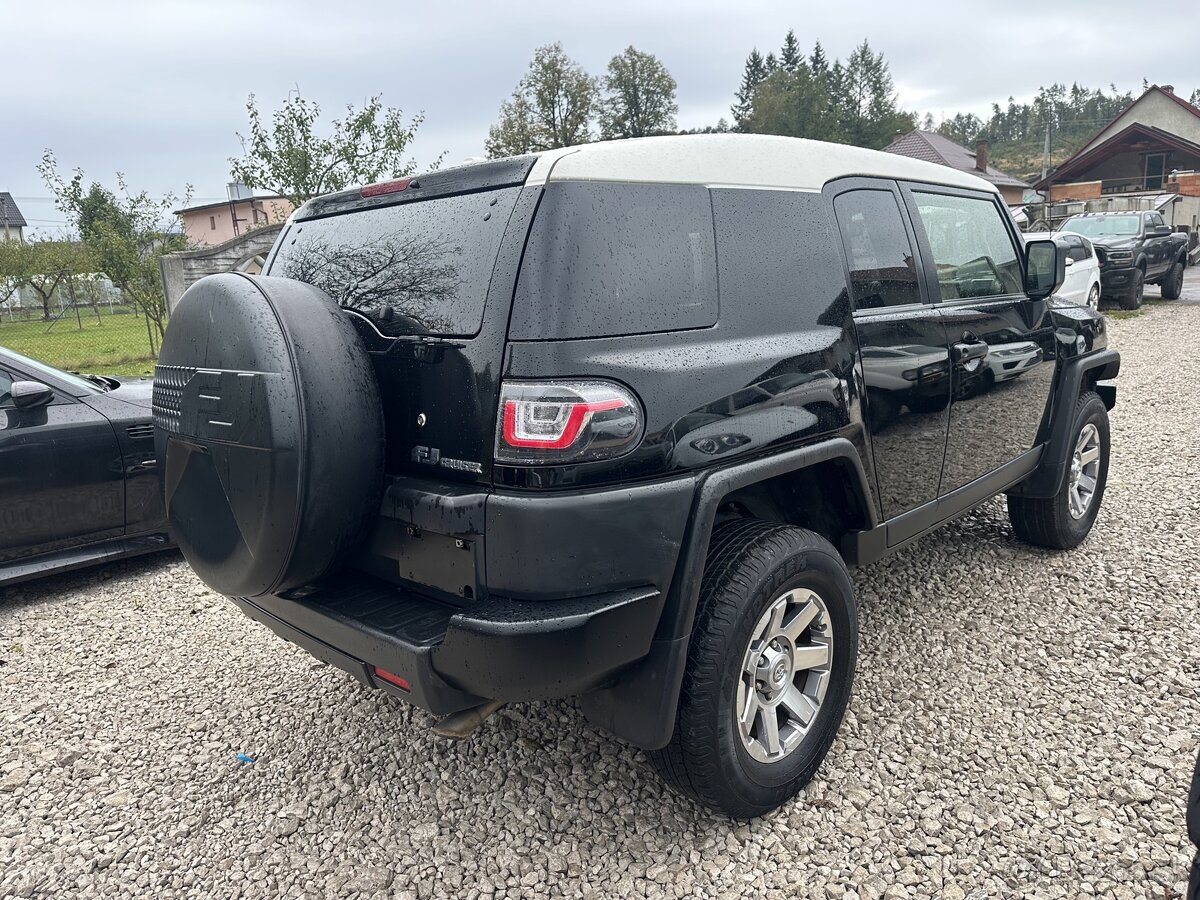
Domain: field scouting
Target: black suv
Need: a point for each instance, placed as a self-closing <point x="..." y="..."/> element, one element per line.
<point x="611" y="422"/>
<point x="1135" y="249"/>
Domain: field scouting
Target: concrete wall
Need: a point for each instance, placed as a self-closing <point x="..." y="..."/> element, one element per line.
<point x="213" y="224"/>
<point x="12" y="233"/>
<point x="1153" y="109"/>
<point x="181" y="270"/>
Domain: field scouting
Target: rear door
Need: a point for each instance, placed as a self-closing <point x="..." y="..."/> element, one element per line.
<point x="1002" y="344"/>
<point x="61" y="475"/>
<point x="1078" y="275"/>
<point x="905" y="360"/>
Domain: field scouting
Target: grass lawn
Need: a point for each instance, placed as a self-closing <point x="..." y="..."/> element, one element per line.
<point x="116" y="345"/>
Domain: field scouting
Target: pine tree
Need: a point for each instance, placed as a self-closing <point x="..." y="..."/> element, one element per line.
<point x="771" y="63"/>
<point x="752" y="77"/>
<point x="790" y="57"/>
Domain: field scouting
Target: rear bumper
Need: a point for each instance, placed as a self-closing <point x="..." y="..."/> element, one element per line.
<point x="454" y="658"/>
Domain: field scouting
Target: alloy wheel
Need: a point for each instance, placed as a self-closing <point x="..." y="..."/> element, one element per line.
<point x="1085" y="471"/>
<point x="784" y="675"/>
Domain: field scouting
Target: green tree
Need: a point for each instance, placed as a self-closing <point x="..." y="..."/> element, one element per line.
<point x="43" y="266"/>
<point x="1195" y="98"/>
<point x="639" y="96"/>
<point x="552" y="106"/>
<point x="962" y="127"/>
<point x="792" y="104"/>
<point x="291" y="159"/>
<point x="753" y="75"/>
<point x="865" y="100"/>
<point x="790" y="57"/>
<point x="125" y="232"/>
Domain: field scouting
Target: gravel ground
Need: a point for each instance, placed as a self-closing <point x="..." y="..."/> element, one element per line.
<point x="1024" y="725"/>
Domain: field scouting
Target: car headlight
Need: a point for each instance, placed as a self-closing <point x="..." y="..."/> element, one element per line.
<point x="1120" y="255"/>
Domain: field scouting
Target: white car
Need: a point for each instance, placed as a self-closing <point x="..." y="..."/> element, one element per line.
<point x="1083" y="270"/>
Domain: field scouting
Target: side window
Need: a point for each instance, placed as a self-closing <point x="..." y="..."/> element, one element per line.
<point x="1157" y="220"/>
<point x="972" y="250"/>
<point x="5" y="388"/>
<point x="883" y="269"/>
<point x="1088" y="253"/>
<point x="1075" y="250"/>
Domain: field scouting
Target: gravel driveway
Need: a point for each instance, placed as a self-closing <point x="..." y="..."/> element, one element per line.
<point x="1024" y="725"/>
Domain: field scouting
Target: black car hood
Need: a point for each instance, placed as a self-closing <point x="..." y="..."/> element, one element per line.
<point x="136" y="391"/>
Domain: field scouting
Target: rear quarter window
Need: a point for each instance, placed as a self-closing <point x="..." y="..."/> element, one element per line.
<point x="606" y="259"/>
<point x="410" y="268"/>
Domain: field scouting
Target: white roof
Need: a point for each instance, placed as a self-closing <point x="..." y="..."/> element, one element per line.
<point x="736" y="160"/>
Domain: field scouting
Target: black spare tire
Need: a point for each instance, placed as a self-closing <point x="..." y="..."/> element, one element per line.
<point x="269" y="430"/>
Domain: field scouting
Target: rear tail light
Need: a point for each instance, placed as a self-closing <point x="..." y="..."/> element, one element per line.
<point x="548" y="422"/>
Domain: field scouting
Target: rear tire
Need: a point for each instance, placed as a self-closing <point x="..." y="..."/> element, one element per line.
<point x="1054" y="522"/>
<point x="1132" y="298"/>
<point x="1172" y="285"/>
<point x="1093" y="298"/>
<point x="758" y="572"/>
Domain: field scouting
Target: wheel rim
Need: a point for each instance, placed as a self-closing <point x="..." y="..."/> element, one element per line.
<point x="1085" y="471"/>
<point x="784" y="675"/>
<point x="1094" y="298"/>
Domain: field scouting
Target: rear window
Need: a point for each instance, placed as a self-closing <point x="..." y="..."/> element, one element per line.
<point x="607" y="259"/>
<point x="421" y="267"/>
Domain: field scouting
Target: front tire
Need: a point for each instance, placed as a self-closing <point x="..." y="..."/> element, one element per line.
<point x="769" y="669"/>
<point x="1132" y="298"/>
<point x="1064" y="520"/>
<point x="1172" y="285"/>
<point x="1093" y="298"/>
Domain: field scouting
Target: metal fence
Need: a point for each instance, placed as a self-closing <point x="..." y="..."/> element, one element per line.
<point x="96" y="335"/>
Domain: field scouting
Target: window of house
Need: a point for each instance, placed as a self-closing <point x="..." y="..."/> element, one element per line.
<point x="972" y="250"/>
<point x="883" y="270"/>
<point x="212" y="223"/>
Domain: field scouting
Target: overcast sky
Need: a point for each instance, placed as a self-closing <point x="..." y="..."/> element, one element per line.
<point x="157" y="90"/>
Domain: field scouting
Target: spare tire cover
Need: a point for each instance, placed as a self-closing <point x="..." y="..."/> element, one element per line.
<point x="269" y="430"/>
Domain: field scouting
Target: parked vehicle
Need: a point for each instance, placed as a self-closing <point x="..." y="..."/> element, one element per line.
<point x="79" y="483"/>
<point x="1082" y="284"/>
<point x="598" y="423"/>
<point x="1135" y="249"/>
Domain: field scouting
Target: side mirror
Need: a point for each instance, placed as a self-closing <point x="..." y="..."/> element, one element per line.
<point x="28" y="394"/>
<point x="1045" y="269"/>
<point x="1163" y="230"/>
<point x="1070" y="262"/>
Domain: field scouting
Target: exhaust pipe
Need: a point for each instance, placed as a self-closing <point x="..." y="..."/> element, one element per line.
<point x="461" y="725"/>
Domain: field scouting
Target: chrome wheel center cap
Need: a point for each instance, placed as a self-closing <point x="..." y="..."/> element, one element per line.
<point x="775" y="668"/>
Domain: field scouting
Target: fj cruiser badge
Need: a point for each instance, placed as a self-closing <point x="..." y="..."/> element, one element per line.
<point x="432" y="456"/>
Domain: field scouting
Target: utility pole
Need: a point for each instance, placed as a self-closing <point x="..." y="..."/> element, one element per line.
<point x="1046" y="152"/>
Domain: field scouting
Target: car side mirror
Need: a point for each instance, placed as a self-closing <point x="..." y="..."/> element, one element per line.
<point x="1070" y="262"/>
<point x="28" y="394"/>
<point x="1045" y="269"/>
<point x="1163" y="230"/>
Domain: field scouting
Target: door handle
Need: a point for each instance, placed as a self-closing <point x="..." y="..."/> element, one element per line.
<point x="968" y="351"/>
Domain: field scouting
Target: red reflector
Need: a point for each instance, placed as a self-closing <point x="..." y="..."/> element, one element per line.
<point x="384" y="187"/>
<point x="399" y="682"/>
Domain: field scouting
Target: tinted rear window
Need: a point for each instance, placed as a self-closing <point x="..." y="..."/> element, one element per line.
<point x="611" y="258"/>
<point x="417" y="267"/>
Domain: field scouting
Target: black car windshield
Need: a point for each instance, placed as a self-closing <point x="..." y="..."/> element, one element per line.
<point x="410" y="268"/>
<point x="1096" y="226"/>
<point x="73" y="383"/>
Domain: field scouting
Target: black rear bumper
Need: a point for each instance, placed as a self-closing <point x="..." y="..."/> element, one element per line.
<point x="452" y="657"/>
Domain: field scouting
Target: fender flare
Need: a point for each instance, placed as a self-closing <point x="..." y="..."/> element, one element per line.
<point x="640" y="707"/>
<point x="1050" y="475"/>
